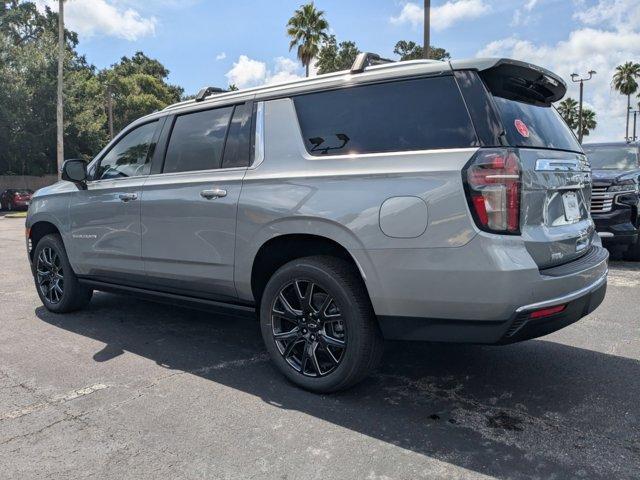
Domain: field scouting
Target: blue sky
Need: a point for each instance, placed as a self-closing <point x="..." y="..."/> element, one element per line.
<point x="212" y="42"/>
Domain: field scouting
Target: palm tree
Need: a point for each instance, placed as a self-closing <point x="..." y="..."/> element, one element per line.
<point x="589" y="122"/>
<point x="568" y="109"/>
<point x="625" y="82"/>
<point x="307" y="29"/>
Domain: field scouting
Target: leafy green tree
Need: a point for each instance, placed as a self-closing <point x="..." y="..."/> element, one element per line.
<point x="625" y="81"/>
<point x="28" y="68"/>
<point x="307" y="29"/>
<point x="139" y="87"/>
<point x="334" y="57"/>
<point x="408" y="50"/>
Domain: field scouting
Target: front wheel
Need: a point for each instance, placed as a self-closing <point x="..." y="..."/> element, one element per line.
<point x="318" y="324"/>
<point x="56" y="282"/>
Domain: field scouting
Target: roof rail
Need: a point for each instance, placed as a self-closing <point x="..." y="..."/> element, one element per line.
<point x="206" y="91"/>
<point x="366" y="59"/>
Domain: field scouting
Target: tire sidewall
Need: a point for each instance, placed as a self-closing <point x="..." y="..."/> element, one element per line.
<point x="311" y="271"/>
<point x="55" y="242"/>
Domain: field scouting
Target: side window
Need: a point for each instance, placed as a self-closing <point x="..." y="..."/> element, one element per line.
<point x="197" y="141"/>
<point x="237" y="151"/>
<point x="417" y="114"/>
<point x="130" y="157"/>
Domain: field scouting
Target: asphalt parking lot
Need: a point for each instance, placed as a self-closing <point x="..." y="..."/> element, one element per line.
<point x="132" y="389"/>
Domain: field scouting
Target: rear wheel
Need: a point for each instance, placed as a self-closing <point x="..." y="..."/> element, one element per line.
<point x="318" y="324"/>
<point x="56" y="282"/>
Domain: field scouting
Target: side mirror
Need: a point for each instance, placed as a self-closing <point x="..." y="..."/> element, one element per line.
<point x="75" y="171"/>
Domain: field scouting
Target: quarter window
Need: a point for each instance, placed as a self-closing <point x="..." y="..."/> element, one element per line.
<point x="417" y="114"/>
<point x="130" y="157"/>
<point x="197" y="141"/>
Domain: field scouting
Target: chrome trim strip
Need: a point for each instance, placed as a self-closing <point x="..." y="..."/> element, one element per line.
<point x="605" y="234"/>
<point x="566" y="298"/>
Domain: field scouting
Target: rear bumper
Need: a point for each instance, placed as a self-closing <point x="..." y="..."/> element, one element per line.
<point x="515" y="329"/>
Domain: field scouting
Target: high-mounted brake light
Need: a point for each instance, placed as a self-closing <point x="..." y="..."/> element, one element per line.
<point x="493" y="180"/>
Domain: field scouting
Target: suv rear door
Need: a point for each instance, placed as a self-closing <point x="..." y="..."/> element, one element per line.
<point x="511" y="106"/>
<point x="189" y="208"/>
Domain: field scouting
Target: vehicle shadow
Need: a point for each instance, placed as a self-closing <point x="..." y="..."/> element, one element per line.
<point x="536" y="409"/>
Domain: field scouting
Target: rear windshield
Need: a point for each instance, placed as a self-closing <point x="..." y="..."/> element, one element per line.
<point x="612" y="157"/>
<point x="23" y="192"/>
<point x="534" y="126"/>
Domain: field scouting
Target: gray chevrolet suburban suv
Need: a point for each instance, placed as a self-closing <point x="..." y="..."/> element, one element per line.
<point x="419" y="200"/>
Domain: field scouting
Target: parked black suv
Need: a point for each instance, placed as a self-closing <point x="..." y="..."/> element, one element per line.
<point x="615" y="201"/>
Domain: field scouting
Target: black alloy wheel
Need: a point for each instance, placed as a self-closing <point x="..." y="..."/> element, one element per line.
<point x="50" y="275"/>
<point x="308" y="328"/>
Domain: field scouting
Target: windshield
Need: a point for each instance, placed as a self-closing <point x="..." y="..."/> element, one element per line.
<point x="534" y="126"/>
<point x="612" y="158"/>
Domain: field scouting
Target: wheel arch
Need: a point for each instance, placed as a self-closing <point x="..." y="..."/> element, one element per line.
<point x="281" y="249"/>
<point x="37" y="231"/>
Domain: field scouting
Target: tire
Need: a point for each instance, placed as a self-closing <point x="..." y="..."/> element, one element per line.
<point x="337" y="310"/>
<point x="633" y="253"/>
<point x="50" y="257"/>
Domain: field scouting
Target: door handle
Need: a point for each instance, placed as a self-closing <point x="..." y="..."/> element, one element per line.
<point x="127" y="197"/>
<point x="213" y="193"/>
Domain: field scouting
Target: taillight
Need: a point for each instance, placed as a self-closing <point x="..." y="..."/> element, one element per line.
<point x="493" y="180"/>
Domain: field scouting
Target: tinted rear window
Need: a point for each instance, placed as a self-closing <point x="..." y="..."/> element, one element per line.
<point x="197" y="140"/>
<point x="529" y="125"/>
<point x="417" y="114"/>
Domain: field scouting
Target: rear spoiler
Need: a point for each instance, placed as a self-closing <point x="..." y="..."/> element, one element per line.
<point x="516" y="80"/>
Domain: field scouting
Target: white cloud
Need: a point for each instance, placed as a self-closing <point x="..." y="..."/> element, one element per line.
<point x="585" y="49"/>
<point x="221" y="56"/>
<point x="617" y="14"/>
<point x="247" y="72"/>
<point x="442" y="16"/>
<point x="285" y="71"/>
<point x="524" y="15"/>
<point x="100" y="17"/>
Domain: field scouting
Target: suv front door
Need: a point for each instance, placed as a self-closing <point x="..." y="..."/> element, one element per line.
<point x="189" y="210"/>
<point x="104" y="219"/>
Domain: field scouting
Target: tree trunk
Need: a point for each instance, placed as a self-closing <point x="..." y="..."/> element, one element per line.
<point x="626" y="135"/>
<point x="60" y="104"/>
<point x="307" y="69"/>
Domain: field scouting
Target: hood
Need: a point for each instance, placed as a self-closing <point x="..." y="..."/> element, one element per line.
<point x="610" y="177"/>
<point x="58" y="187"/>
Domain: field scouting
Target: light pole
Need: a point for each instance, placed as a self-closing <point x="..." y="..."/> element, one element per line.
<point x="60" y="102"/>
<point x="427" y="27"/>
<point x="635" y="113"/>
<point x="578" y="79"/>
